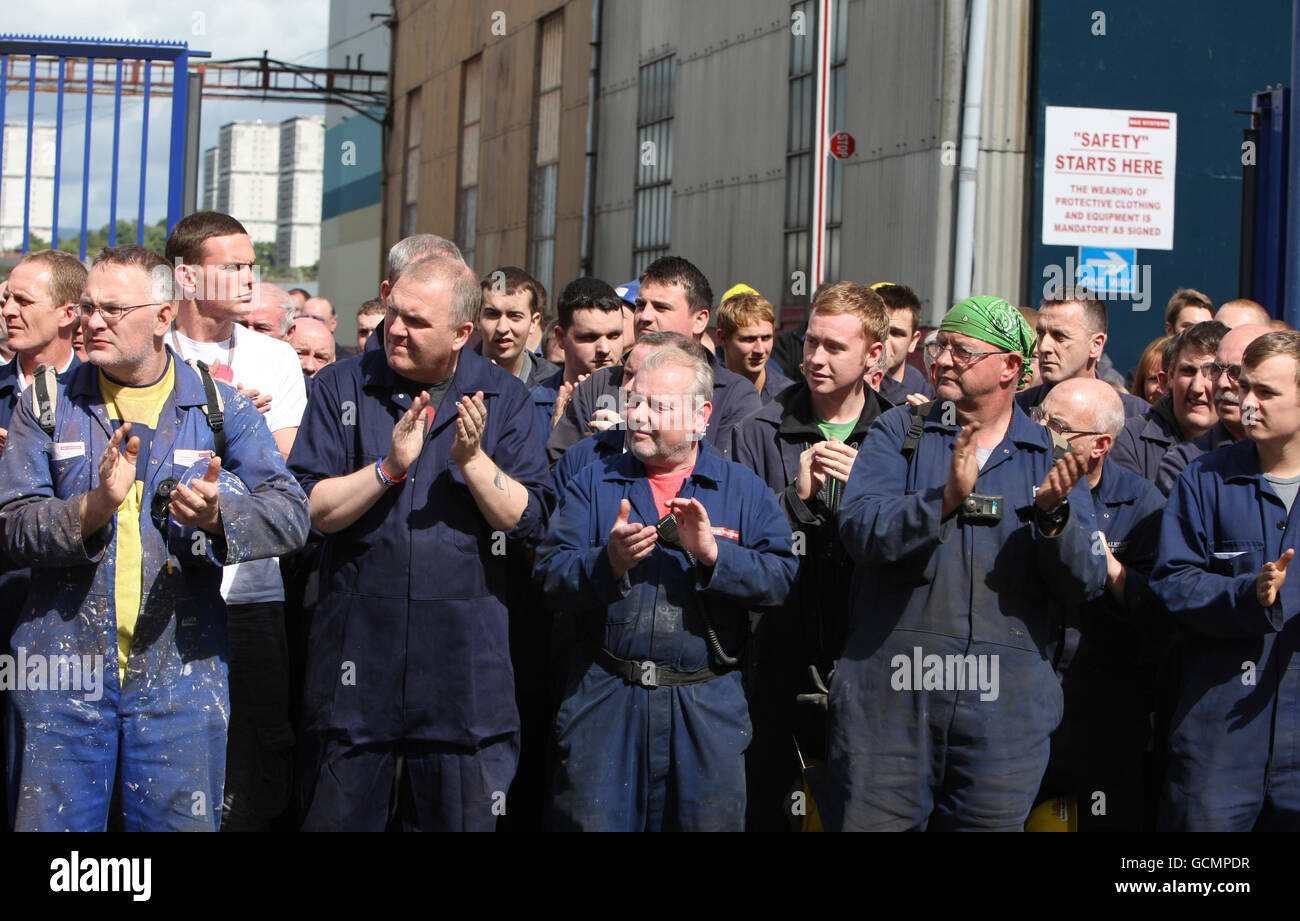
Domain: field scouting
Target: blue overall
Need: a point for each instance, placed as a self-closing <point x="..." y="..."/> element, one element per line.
<point x="408" y="651"/>
<point x="1235" y="741"/>
<point x="633" y="757"/>
<point x="949" y="756"/>
<point x="1106" y="667"/>
<point x="165" y="725"/>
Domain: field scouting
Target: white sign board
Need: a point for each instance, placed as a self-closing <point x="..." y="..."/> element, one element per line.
<point x="1108" y="178"/>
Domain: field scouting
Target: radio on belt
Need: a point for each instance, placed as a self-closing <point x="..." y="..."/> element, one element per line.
<point x="978" y="508"/>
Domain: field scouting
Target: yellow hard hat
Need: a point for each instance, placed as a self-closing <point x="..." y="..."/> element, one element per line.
<point x="739" y="288"/>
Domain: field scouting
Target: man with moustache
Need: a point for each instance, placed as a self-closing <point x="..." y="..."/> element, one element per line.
<point x="660" y="552"/>
<point x="1225" y="377"/>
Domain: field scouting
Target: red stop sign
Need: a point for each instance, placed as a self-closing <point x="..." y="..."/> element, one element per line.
<point x="842" y="145"/>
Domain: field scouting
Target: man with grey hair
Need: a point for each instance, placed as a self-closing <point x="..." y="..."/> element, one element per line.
<point x="409" y="651"/>
<point x="403" y="253"/>
<point x="1100" y="746"/>
<point x="660" y="553"/>
<point x="272" y="314"/>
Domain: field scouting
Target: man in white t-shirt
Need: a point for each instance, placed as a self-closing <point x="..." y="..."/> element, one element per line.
<point x="213" y="261"/>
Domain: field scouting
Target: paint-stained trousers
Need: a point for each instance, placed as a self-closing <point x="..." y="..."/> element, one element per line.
<point x="938" y="760"/>
<point x="167" y="747"/>
<point x="441" y="787"/>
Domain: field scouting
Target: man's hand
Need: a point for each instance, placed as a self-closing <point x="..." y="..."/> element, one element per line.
<point x="470" y="425"/>
<point x="1062" y="478"/>
<point x="604" y="419"/>
<point x="408" y="438"/>
<point x="835" y="459"/>
<point x="116" y="476"/>
<point x="1271" y="578"/>
<point x="562" y="398"/>
<point x="917" y="399"/>
<point x="198" y="505"/>
<point x="260" y="400"/>
<point x="629" y="543"/>
<point x="963" y="472"/>
<point x="694" y="530"/>
<point x="811" y="477"/>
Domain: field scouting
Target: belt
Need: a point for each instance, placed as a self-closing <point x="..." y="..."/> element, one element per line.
<point x="649" y="675"/>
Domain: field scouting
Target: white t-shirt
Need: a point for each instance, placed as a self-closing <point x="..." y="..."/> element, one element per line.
<point x="255" y="361"/>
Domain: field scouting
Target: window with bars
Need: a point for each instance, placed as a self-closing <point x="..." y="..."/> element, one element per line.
<point x="799" y="153"/>
<point x="467" y="194"/>
<point x="541" y="249"/>
<point x="411" y="162"/>
<point x="654" y="178"/>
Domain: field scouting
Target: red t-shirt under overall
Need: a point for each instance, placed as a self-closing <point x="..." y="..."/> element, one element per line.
<point x="665" y="486"/>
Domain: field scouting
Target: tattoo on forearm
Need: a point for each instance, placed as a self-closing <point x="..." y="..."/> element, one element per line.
<point x="499" y="481"/>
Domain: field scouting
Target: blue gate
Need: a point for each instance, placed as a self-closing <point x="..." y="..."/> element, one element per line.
<point x="70" y="65"/>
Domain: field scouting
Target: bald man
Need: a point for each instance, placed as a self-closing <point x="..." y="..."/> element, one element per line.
<point x="1241" y="312"/>
<point x="323" y="310"/>
<point x="1099" y="749"/>
<point x="272" y="313"/>
<point x="312" y="341"/>
<point x="1227" y="401"/>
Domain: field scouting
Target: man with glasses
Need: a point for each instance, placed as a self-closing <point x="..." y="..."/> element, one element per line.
<point x="126" y="516"/>
<point x="1098" y="751"/>
<point x="1227" y="541"/>
<point x="213" y="261"/>
<point x="968" y="535"/>
<point x="1186" y="412"/>
<point x="1224" y="374"/>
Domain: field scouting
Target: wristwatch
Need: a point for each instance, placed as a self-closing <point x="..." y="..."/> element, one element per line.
<point x="1053" y="519"/>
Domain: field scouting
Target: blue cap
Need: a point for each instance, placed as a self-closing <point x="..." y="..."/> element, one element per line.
<point x="627" y="292"/>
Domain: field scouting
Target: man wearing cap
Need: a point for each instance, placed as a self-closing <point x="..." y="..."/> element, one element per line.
<point x="968" y="536"/>
<point x="745" y="323"/>
<point x="674" y="295"/>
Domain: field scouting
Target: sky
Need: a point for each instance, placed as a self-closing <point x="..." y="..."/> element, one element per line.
<point x="290" y="30"/>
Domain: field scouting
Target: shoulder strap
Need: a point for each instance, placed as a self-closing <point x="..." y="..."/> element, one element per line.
<point x="45" y="396"/>
<point x="214" y="408"/>
<point x="915" y="430"/>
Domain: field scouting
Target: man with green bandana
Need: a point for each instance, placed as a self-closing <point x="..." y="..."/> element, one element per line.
<point x="969" y="535"/>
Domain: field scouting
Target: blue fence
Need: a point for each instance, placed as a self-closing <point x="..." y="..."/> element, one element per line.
<point x="50" y="60"/>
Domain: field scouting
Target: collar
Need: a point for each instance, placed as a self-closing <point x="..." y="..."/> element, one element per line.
<point x="1240" y="461"/>
<point x="709" y="468"/>
<point x="1162" y="424"/>
<point x="1023" y="431"/>
<point x="792" y="410"/>
<point x="187" y="390"/>
<point x="473" y="373"/>
<point x="1118" y="486"/>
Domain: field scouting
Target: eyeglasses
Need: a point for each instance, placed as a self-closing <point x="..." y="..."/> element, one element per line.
<point x="1039" y="415"/>
<point x="960" y="353"/>
<point x="110" y="314"/>
<point x="1212" y="370"/>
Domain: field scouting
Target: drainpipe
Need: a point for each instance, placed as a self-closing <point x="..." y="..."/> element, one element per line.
<point x="589" y="178"/>
<point x="968" y="165"/>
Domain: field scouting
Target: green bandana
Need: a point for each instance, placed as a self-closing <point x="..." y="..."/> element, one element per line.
<point x="992" y="320"/>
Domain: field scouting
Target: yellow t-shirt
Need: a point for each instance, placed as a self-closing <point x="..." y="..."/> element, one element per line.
<point x="141" y="407"/>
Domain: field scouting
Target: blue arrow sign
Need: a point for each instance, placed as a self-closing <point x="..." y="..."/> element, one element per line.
<point x="1106" y="270"/>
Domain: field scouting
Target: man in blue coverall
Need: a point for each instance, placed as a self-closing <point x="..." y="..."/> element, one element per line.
<point x="943" y="702"/>
<point x="425" y="469"/>
<point x="1099" y="750"/>
<point x="126" y="567"/>
<point x="653" y="728"/>
<point x="1228" y="536"/>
